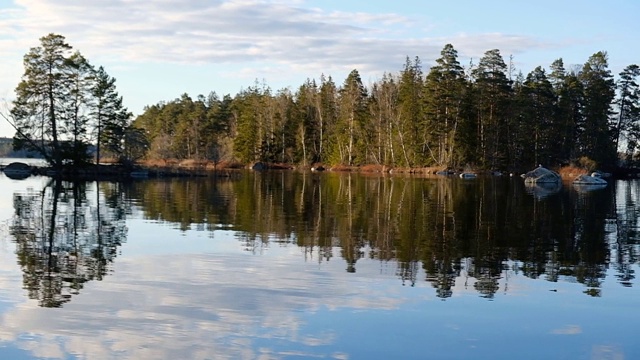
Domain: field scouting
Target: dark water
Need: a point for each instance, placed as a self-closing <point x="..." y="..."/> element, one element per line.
<point x="339" y="266"/>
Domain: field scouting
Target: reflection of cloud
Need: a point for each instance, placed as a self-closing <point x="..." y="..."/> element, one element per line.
<point x="568" y="330"/>
<point x="193" y="306"/>
<point x="607" y="352"/>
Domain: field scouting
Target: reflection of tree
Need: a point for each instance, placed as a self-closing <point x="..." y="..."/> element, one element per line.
<point x="64" y="239"/>
<point x="424" y="224"/>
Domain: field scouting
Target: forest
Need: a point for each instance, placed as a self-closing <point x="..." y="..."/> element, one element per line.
<point x="485" y="115"/>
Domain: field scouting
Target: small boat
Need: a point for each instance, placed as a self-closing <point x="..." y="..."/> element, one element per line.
<point x="467" y="175"/>
<point x="590" y="180"/>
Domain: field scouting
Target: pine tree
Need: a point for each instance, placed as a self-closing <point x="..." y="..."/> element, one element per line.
<point x="353" y="105"/>
<point x="628" y="122"/>
<point x="444" y="92"/>
<point x="595" y="137"/>
<point x="541" y="131"/>
<point x="413" y="133"/>
<point x="111" y="118"/>
<point x="41" y="99"/>
<point x="493" y="89"/>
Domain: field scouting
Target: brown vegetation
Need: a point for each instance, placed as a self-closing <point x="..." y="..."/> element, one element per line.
<point x="572" y="172"/>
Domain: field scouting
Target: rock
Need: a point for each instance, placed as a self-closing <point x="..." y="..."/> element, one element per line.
<point x="17" y="170"/>
<point x="259" y="166"/>
<point x="541" y="175"/>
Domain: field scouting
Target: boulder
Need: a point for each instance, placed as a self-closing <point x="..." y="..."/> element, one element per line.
<point x="259" y="166"/>
<point x="17" y="170"/>
<point x="541" y="175"/>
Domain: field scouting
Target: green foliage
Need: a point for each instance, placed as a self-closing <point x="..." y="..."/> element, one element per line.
<point x="62" y="104"/>
<point x="594" y="132"/>
<point x="493" y="90"/>
<point x="486" y="115"/>
<point x="444" y="96"/>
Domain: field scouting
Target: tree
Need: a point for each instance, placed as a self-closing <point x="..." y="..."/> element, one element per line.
<point x="353" y="106"/>
<point x="494" y="91"/>
<point x="628" y="122"/>
<point x="411" y="128"/>
<point x="569" y="93"/>
<point x="75" y="119"/>
<point x="110" y="117"/>
<point x="61" y="100"/>
<point x="540" y="133"/>
<point x="41" y="98"/>
<point x="444" y="92"/>
<point x="595" y="137"/>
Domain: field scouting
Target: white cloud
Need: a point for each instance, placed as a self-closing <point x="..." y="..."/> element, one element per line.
<point x="232" y="42"/>
<point x="206" y="32"/>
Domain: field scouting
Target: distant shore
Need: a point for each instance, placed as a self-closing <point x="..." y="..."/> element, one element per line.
<point x="109" y="169"/>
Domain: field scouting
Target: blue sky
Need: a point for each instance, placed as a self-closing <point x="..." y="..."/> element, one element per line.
<point x="159" y="49"/>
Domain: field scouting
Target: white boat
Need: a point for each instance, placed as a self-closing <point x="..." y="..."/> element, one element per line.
<point x="467" y="175"/>
<point x="590" y="180"/>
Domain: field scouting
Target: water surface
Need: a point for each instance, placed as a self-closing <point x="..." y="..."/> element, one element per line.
<point x="285" y="265"/>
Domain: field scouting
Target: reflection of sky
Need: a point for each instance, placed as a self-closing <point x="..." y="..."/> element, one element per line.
<point x="197" y="295"/>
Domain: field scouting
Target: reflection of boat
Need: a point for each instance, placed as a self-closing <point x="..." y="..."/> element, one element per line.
<point x="583" y="188"/>
<point x="590" y="180"/>
<point x="586" y="183"/>
<point x="17" y="171"/>
<point x="139" y="174"/>
<point x="542" y="190"/>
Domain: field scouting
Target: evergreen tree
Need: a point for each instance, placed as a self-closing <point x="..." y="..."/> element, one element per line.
<point x="493" y="90"/>
<point x="444" y="92"/>
<point x="628" y="122"/>
<point x="41" y="99"/>
<point x="308" y="121"/>
<point x="76" y="120"/>
<point x="353" y="105"/>
<point x="413" y="134"/>
<point x="328" y="114"/>
<point x="540" y="134"/>
<point x="595" y="136"/>
<point x="110" y="116"/>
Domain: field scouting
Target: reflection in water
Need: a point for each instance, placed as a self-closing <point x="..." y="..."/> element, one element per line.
<point x="334" y="251"/>
<point x="446" y="227"/>
<point x="542" y="190"/>
<point x="64" y="238"/>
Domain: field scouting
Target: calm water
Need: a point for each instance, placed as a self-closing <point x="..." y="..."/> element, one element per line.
<point x="335" y="266"/>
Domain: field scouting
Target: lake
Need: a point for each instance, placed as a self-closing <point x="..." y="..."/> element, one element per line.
<point x="289" y="265"/>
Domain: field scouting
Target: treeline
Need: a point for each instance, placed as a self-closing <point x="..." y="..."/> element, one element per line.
<point x="486" y="115"/>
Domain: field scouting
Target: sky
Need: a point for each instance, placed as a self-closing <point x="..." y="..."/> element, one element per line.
<point x="160" y="49"/>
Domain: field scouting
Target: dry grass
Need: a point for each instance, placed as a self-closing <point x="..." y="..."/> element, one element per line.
<point x="343" y="168"/>
<point x="190" y="164"/>
<point x="571" y="172"/>
<point x="373" y="168"/>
